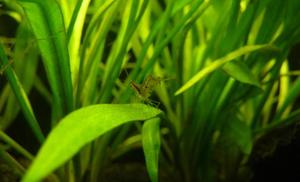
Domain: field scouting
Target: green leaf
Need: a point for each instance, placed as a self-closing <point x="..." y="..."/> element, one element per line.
<point x="221" y="62"/>
<point x="151" y="146"/>
<point x="21" y="96"/>
<point x="240" y="72"/>
<point x="239" y="133"/>
<point x="79" y="128"/>
<point x="179" y="5"/>
<point x="47" y="24"/>
<point x="4" y="137"/>
<point x="25" y="62"/>
<point x="293" y="93"/>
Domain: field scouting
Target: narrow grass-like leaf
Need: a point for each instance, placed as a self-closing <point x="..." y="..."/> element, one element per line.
<point x="12" y="162"/>
<point x="15" y="145"/>
<point x="138" y="74"/>
<point x="292" y="118"/>
<point x="292" y="95"/>
<point x="74" y="17"/>
<point x="25" y="61"/>
<point x="151" y="146"/>
<point x="93" y="41"/>
<point x="221" y="62"/>
<point x="115" y="60"/>
<point x="48" y="27"/>
<point x="179" y="5"/>
<point x="284" y="88"/>
<point x="80" y="127"/>
<point x="21" y="96"/>
<point x="199" y="7"/>
<point x="74" y="37"/>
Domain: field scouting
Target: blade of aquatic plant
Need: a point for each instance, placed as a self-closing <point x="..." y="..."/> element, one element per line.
<point x="130" y="22"/>
<point x="290" y="98"/>
<point x="241" y="72"/>
<point x="151" y="146"/>
<point x="179" y="5"/>
<point x="198" y="8"/>
<point x="25" y="60"/>
<point x="93" y="47"/>
<point x="95" y="19"/>
<point x="292" y="118"/>
<point x="48" y="27"/>
<point x="74" y="37"/>
<point x="272" y="18"/>
<point x="262" y="100"/>
<point x="286" y="37"/>
<point x="79" y="6"/>
<point x="4" y="96"/>
<point x="284" y="87"/>
<point x="147" y="46"/>
<point x="15" y="145"/>
<point x="79" y="128"/>
<point x="221" y="62"/>
<point x="21" y="96"/>
<point x="137" y="74"/>
<point x="11" y="161"/>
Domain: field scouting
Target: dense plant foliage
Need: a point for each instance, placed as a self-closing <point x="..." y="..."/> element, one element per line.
<point x="212" y="75"/>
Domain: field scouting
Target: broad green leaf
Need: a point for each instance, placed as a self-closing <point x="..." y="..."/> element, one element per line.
<point x="151" y="146"/>
<point x="240" y="72"/>
<point x="221" y="62"/>
<point x="79" y="128"/>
